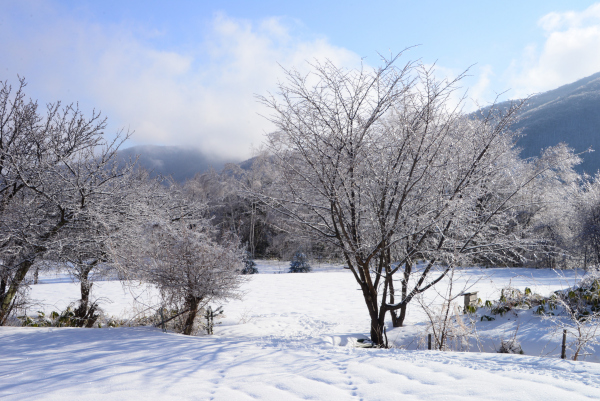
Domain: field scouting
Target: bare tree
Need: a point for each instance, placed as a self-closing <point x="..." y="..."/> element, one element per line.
<point x="88" y="248"/>
<point x="189" y="268"/>
<point x="171" y="244"/>
<point x="586" y="205"/>
<point x="380" y="165"/>
<point x="55" y="172"/>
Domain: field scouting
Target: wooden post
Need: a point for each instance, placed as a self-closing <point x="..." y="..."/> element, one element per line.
<point x="429" y="342"/>
<point x="563" y="354"/>
<point x="470" y="298"/>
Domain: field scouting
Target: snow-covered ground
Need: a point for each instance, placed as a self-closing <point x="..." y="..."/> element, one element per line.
<point x="291" y="336"/>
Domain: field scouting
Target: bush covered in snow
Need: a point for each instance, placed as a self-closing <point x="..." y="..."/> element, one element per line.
<point x="512" y="298"/>
<point x="69" y="318"/>
<point x="583" y="298"/>
<point x="511" y="346"/>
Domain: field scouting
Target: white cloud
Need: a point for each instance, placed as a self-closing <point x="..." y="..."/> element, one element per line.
<point x="556" y="21"/>
<point x="571" y="51"/>
<point x="480" y="93"/>
<point x="202" y="97"/>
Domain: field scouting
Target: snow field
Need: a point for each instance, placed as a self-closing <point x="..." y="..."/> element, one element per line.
<point x="290" y="337"/>
<point x="142" y="363"/>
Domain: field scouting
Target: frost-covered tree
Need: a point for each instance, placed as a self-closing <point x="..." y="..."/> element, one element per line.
<point x="177" y="250"/>
<point x="56" y="169"/>
<point x="189" y="268"/>
<point x="88" y="248"/>
<point x="232" y="210"/>
<point x="548" y="209"/>
<point x="586" y="207"/>
<point x="380" y="164"/>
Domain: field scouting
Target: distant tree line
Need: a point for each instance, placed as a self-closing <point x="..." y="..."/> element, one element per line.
<point x="555" y="216"/>
<point x="231" y="197"/>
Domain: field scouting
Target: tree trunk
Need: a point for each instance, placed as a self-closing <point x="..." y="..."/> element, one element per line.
<point x="398" y="319"/>
<point x="81" y="312"/>
<point x="2" y="288"/>
<point x="8" y="297"/>
<point x="86" y="312"/>
<point x="193" y="303"/>
<point x="252" y="230"/>
<point x="377" y="321"/>
<point x="377" y="335"/>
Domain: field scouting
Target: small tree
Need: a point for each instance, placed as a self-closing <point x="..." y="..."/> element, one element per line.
<point x="451" y="329"/>
<point x="189" y="268"/>
<point x="209" y="318"/>
<point x="249" y="265"/>
<point x="299" y="263"/>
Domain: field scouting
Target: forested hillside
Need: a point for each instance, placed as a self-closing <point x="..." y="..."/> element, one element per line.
<point x="178" y="162"/>
<point x="569" y="114"/>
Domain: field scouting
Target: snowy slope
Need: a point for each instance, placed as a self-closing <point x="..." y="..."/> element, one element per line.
<point x="141" y="363"/>
<point x="292" y="336"/>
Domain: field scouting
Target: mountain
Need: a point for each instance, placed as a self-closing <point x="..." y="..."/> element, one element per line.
<point x="569" y="114"/>
<point x="179" y="163"/>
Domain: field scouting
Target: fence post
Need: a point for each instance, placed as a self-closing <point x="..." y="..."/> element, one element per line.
<point x="563" y="354"/>
<point x="429" y="341"/>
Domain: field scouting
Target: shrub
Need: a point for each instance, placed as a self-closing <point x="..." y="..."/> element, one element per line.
<point x="249" y="265"/>
<point x="510" y="347"/>
<point x="66" y="318"/>
<point x="299" y="263"/>
<point x="513" y="298"/>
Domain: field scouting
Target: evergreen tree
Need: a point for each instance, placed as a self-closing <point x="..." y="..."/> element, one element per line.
<point x="249" y="265"/>
<point x="299" y="263"/>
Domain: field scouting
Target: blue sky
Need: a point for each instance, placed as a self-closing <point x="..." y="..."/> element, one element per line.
<point x="185" y="72"/>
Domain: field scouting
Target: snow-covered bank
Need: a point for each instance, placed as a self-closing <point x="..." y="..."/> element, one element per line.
<point x="142" y="363"/>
